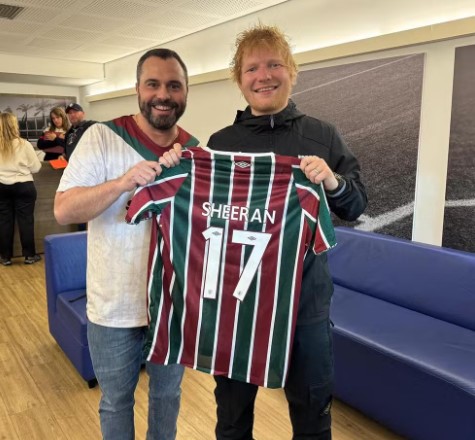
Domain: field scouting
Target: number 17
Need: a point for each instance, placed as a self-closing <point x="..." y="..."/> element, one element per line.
<point x="214" y="246"/>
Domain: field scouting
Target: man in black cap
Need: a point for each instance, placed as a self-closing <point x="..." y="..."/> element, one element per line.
<point x="78" y="126"/>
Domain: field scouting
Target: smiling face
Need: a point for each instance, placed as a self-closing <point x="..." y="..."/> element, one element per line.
<point x="162" y="92"/>
<point x="265" y="81"/>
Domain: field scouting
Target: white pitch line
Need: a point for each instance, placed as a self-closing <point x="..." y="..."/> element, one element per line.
<point x="457" y="203"/>
<point x="372" y="224"/>
<point x="352" y="75"/>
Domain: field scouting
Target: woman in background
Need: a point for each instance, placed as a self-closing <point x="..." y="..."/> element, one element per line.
<point x="52" y="142"/>
<point x="18" y="161"/>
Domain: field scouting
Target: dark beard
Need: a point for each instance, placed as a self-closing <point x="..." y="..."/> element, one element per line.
<point x="161" y="122"/>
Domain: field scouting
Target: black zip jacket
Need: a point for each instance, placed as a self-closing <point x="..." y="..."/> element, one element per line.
<point x="292" y="133"/>
<point x="73" y="135"/>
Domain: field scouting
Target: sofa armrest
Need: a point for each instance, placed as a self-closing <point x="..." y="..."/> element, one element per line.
<point x="65" y="264"/>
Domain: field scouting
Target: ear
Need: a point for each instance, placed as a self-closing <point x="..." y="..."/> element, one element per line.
<point x="294" y="79"/>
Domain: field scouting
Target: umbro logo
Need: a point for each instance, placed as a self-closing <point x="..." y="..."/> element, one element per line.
<point x="242" y="164"/>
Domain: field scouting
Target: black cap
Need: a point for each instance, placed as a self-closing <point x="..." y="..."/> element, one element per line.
<point x="74" y="106"/>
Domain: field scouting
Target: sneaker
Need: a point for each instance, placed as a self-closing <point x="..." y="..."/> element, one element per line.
<point x="33" y="259"/>
<point x="5" y="261"/>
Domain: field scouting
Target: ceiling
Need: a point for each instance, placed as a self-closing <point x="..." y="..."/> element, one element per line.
<point x="84" y="35"/>
<point x="103" y="30"/>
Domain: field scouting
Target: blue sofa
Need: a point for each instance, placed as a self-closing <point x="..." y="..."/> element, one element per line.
<point x="65" y="275"/>
<point x="404" y="334"/>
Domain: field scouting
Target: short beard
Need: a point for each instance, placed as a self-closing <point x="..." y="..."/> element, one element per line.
<point x="161" y="122"/>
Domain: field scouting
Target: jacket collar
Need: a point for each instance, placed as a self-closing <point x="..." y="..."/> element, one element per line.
<point x="283" y="118"/>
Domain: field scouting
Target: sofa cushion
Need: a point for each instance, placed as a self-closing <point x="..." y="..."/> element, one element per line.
<point x="434" y="281"/>
<point x="71" y="310"/>
<point x="444" y="350"/>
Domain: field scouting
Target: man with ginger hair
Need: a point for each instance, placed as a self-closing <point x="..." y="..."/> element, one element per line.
<point x="265" y="71"/>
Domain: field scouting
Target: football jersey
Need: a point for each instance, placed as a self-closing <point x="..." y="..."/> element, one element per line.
<point x="228" y="243"/>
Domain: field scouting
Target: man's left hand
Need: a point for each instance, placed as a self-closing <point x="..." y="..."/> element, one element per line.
<point x="317" y="171"/>
<point x="171" y="158"/>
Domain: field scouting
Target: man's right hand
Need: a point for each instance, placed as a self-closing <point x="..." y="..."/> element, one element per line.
<point x="140" y="174"/>
<point x="146" y="171"/>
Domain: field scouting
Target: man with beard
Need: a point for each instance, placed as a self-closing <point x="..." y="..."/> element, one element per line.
<point x="110" y="161"/>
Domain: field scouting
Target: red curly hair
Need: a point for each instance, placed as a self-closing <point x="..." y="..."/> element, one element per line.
<point x="258" y="37"/>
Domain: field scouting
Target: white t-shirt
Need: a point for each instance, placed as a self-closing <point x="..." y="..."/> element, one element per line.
<point x="117" y="253"/>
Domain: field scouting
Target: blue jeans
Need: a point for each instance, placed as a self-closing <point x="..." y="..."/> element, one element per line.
<point x="117" y="357"/>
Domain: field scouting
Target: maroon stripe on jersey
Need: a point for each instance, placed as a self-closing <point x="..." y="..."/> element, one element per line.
<point x="297" y="274"/>
<point x="161" y="342"/>
<point x="311" y="204"/>
<point x="129" y="124"/>
<point x="240" y="193"/>
<point x="270" y="263"/>
<point x="201" y="194"/>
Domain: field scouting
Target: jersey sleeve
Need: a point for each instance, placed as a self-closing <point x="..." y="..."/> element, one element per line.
<point x="153" y="198"/>
<point x="316" y="211"/>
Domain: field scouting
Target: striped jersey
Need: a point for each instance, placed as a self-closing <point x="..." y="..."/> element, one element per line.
<point x="231" y="232"/>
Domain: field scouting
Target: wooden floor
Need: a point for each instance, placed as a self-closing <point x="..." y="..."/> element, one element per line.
<point x="43" y="397"/>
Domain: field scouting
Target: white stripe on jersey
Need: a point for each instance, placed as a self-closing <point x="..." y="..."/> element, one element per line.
<point x="276" y="293"/>
<point x="223" y="258"/>
<point x="172" y="281"/>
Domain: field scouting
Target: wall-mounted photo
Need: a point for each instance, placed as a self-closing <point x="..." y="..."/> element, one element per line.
<point x="376" y="106"/>
<point x="459" y="217"/>
<point x="32" y="111"/>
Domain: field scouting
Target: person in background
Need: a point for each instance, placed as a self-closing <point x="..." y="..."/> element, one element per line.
<point x="79" y="125"/>
<point x="18" y="163"/>
<point x="111" y="160"/>
<point x="52" y="141"/>
<point x="265" y="71"/>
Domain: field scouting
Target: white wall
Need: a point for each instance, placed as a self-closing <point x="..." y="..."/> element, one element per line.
<point x="38" y="89"/>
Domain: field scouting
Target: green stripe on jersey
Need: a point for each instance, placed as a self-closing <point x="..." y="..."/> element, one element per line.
<point x="132" y="141"/>
<point x="258" y="191"/>
<point x="219" y="194"/>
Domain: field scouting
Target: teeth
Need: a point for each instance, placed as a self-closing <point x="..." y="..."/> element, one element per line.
<point x="265" y="89"/>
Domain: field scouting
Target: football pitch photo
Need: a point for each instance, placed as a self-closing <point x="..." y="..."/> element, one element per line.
<point x="376" y="106"/>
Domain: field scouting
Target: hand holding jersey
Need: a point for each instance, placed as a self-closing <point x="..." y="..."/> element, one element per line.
<point x="265" y="71"/>
<point x="111" y="159"/>
<point x="172" y="157"/>
<point x="146" y="171"/>
<point x="317" y="171"/>
<point x="315" y="168"/>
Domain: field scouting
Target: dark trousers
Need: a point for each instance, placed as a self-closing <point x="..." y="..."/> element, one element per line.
<point x="17" y="202"/>
<point x="308" y="390"/>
